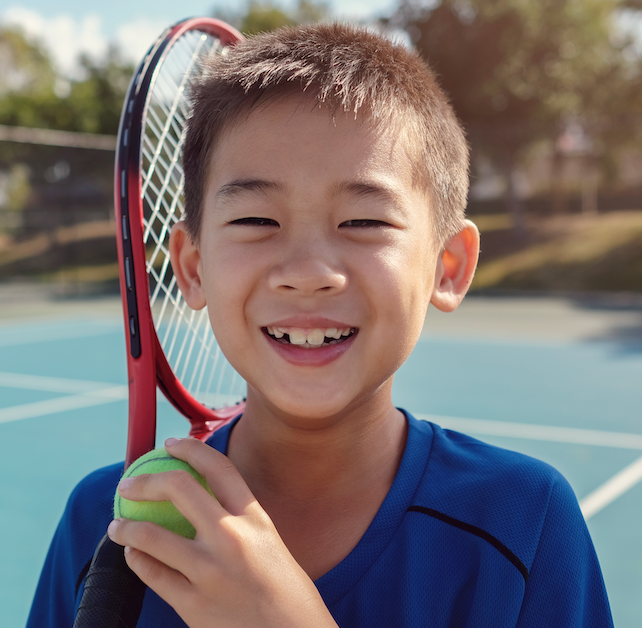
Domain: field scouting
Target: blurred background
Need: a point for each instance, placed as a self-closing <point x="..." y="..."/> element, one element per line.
<point x="549" y="92"/>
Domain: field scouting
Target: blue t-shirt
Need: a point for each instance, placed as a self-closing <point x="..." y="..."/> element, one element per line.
<point x="469" y="535"/>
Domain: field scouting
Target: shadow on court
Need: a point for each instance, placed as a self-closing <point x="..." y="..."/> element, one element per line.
<point x="625" y="330"/>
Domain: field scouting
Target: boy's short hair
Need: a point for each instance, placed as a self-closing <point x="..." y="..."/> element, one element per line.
<point x="346" y="67"/>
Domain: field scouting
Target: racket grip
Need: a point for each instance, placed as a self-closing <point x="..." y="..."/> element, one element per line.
<point x="113" y="595"/>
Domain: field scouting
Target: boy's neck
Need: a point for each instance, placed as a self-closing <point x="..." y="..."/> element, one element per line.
<point x="322" y="487"/>
<point x="288" y="458"/>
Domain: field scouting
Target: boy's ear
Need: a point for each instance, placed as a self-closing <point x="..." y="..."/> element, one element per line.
<point x="186" y="263"/>
<point x="456" y="268"/>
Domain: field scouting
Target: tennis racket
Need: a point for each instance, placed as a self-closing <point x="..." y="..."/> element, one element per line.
<point x="169" y="346"/>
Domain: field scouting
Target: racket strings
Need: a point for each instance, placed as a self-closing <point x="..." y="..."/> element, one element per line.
<point x="185" y="335"/>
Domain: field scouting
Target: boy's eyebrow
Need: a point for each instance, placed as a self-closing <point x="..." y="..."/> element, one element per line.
<point x="247" y="185"/>
<point x="360" y="188"/>
<point x="354" y="188"/>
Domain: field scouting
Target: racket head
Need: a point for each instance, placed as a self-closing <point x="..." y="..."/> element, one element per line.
<point x="168" y="344"/>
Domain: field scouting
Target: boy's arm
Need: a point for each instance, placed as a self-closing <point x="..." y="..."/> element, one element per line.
<point x="82" y="525"/>
<point x="237" y="571"/>
<point x="54" y="602"/>
<point x="565" y="586"/>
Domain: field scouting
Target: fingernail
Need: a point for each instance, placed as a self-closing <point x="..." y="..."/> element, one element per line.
<point x="125" y="483"/>
<point x="127" y="549"/>
<point x="113" y="526"/>
<point x="171" y="441"/>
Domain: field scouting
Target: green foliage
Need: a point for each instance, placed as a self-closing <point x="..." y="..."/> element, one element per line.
<point x="308" y="12"/>
<point x="32" y="94"/>
<point x="96" y="101"/>
<point x="516" y="69"/>
<point x="257" y="16"/>
<point x="264" y="16"/>
<point x="521" y="71"/>
<point x="24" y="65"/>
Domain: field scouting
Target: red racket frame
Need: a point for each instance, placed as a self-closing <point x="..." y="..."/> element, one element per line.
<point x="146" y="363"/>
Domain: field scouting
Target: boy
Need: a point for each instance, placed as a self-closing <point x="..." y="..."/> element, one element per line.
<point x="326" y="180"/>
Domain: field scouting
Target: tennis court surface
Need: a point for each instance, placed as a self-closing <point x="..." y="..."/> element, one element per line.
<point x="556" y="378"/>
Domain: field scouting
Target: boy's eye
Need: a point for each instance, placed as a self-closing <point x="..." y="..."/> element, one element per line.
<point x="255" y="222"/>
<point x="364" y="223"/>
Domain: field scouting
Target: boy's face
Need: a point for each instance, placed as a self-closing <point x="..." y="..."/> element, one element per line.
<point x="311" y="228"/>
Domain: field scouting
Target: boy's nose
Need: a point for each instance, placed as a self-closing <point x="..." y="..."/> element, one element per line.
<point x="308" y="271"/>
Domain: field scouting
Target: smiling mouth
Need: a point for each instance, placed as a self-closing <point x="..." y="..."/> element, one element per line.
<point x="309" y="338"/>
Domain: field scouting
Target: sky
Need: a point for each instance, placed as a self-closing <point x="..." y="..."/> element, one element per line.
<point x="69" y="27"/>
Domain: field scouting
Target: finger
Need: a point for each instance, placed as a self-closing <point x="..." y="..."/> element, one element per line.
<point x="168" y="583"/>
<point x="180" y="488"/>
<point x="221" y="475"/>
<point x="170" y="550"/>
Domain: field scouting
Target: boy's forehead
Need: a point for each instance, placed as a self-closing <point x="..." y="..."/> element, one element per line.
<point x="301" y="126"/>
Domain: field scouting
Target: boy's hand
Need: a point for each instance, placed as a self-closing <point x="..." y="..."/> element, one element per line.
<point x="237" y="571"/>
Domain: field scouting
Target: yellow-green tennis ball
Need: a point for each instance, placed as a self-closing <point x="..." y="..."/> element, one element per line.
<point x="163" y="513"/>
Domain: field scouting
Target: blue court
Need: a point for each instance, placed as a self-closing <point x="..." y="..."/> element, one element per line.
<point x="557" y="379"/>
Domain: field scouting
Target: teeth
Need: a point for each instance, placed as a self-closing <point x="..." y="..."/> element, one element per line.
<point x="311" y="337"/>
<point x="298" y="337"/>
<point x="316" y="337"/>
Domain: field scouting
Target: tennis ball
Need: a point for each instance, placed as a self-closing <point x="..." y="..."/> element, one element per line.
<point x="163" y="513"/>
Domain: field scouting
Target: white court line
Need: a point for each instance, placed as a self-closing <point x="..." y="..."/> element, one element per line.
<point x="551" y="433"/>
<point x="602" y="496"/>
<point x="84" y="394"/>
<point x="50" y="384"/>
<point x="95" y="393"/>
<point x="63" y="404"/>
<point x="619" y="484"/>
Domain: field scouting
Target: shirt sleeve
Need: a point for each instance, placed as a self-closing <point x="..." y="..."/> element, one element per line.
<point x="565" y="588"/>
<point x="83" y="523"/>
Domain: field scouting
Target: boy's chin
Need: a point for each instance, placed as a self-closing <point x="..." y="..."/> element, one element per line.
<point x="306" y="415"/>
<point x="314" y="409"/>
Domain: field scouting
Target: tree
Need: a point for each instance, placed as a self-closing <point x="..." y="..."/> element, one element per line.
<point x="30" y="94"/>
<point x="258" y="16"/>
<point x="27" y="79"/>
<point x="95" y="103"/>
<point x="518" y="70"/>
<point x="24" y="65"/>
<point x="264" y="16"/>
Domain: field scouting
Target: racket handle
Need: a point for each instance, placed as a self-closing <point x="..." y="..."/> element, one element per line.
<point x="113" y="595"/>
